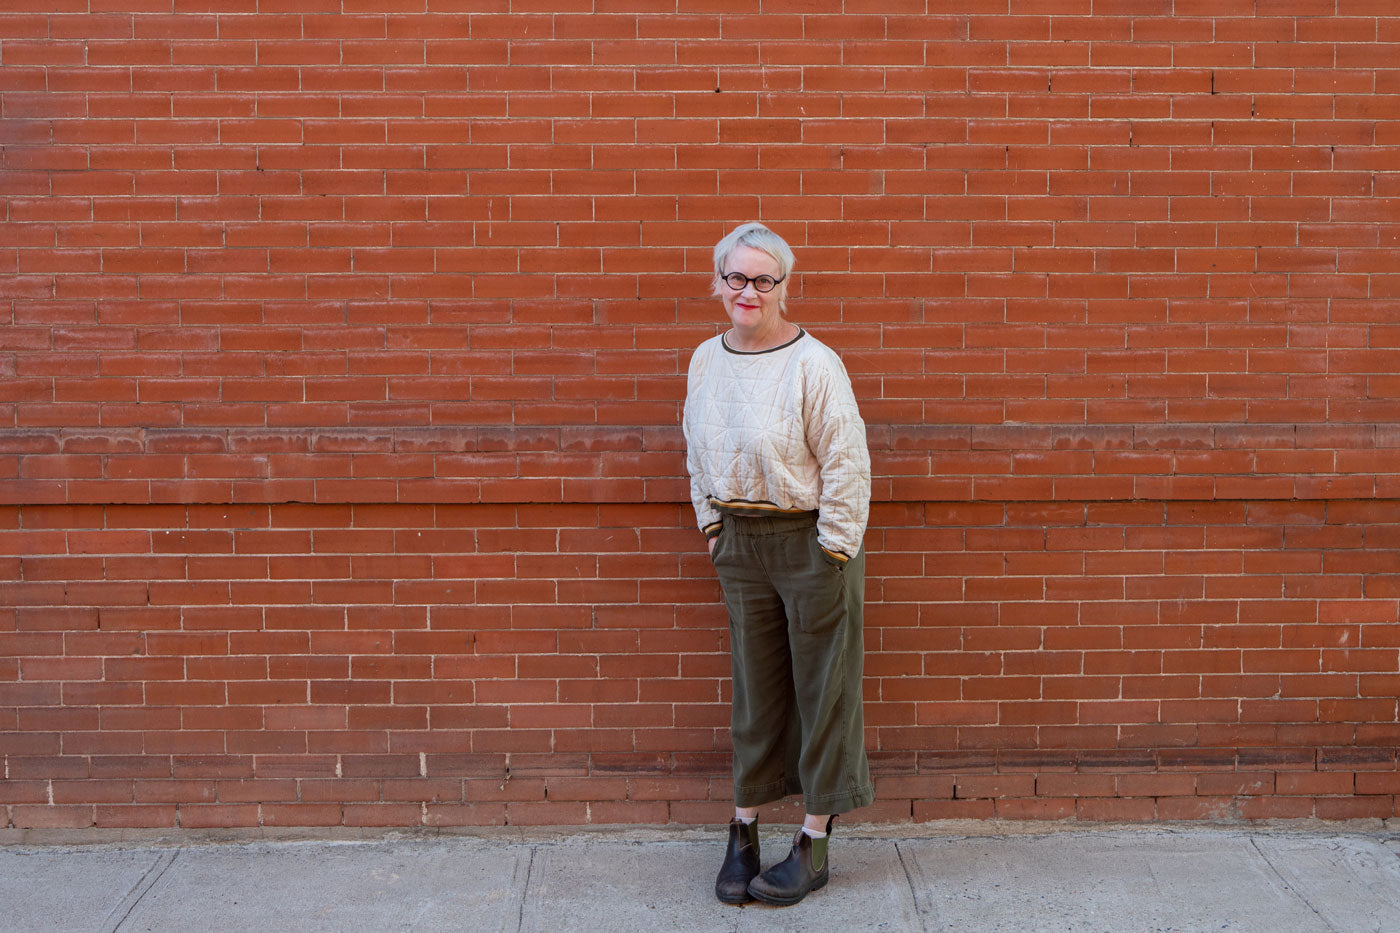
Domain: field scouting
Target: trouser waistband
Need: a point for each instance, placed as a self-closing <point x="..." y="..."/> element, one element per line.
<point x="768" y="524"/>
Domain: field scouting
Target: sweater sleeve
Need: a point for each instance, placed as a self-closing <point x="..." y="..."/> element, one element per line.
<point x="706" y="515"/>
<point x="836" y="436"/>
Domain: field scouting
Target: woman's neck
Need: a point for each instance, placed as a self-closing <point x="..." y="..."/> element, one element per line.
<point x="757" y="343"/>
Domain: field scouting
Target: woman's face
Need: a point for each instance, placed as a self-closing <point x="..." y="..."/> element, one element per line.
<point x="753" y="313"/>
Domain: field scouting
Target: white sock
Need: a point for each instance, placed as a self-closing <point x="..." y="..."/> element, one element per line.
<point x="814" y="833"/>
<point x="746" y="820"/>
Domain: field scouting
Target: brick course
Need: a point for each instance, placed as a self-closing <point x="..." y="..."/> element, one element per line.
<point x="344" y="345"/>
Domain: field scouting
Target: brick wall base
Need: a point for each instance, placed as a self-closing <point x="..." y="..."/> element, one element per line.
<point x="410" y="665"/>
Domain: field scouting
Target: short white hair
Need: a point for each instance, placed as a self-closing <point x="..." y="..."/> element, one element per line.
<point x="755" y="236"/>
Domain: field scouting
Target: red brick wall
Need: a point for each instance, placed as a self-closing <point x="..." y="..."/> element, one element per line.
<point x="343" y="349"/>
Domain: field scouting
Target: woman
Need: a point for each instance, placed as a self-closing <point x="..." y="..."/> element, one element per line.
<point x="780" y="481"/>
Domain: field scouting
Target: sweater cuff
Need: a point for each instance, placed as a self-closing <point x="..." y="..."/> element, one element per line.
<point x="712" y="530"/>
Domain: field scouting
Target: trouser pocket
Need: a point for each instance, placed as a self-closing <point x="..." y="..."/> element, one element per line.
<point x="820" y="591"/>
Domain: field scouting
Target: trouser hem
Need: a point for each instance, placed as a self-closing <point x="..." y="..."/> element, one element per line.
<point x="758" y="794"/>
<point x="825" y="804"/>
<point x="833" y="804"/>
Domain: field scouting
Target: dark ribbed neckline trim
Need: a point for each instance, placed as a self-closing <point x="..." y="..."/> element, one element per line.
<point x="725" y="343"/>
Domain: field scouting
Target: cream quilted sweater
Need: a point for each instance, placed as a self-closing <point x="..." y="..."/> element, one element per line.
<point x="777" y="431"/>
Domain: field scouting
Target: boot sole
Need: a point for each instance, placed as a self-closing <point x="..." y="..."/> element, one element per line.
<point x="788" y="901"/>
<point x="745" y="898"/>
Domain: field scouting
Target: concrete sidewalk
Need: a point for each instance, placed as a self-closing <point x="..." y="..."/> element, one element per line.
<point x="883" y="878"/>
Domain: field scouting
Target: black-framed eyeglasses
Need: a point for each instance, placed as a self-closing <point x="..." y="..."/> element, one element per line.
<point x="763" y="283"/>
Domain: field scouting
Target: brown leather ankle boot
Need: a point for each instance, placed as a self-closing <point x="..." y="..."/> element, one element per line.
<point x="740" y="863"/>
<point x="802" y="872"/>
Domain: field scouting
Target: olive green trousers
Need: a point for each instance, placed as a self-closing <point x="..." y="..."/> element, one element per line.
<point x="796" y="649"/>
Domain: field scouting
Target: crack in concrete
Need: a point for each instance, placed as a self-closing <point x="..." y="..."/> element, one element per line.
<point x="525" y="891"/>
<point x="138" y="891"/>
<point x="1254" y="843"/>
<point x="919" y="911"/>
